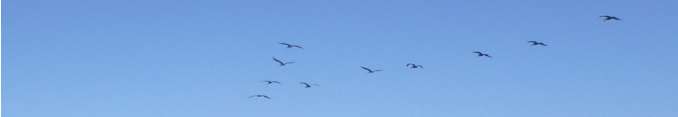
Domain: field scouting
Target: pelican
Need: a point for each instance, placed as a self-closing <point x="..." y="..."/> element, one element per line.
<point x="415" y="66"/>
<point x="369" y="71"/>
<point x="281" y="63"/>
<point x="260" y="96"/>
<point x="481" y="54"/>
<point x="607" y="17"/>
<point x="269" y="82"/>
<point x="308" y="85"/>
<point x="536" y="43"/>
<point x="290" y="46"/>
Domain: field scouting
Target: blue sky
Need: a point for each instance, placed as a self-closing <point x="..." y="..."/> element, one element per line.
<point x="204" y="58"/>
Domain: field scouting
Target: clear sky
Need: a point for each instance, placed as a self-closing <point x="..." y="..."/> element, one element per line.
<point x="192" y="58"/>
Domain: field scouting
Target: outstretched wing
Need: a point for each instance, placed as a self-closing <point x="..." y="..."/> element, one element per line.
<point x="277" y="60"/>
<point x="297" y="46"/>
<point x="289" y="62"/>
<point x="615" y="18"/>
<point x="605" y="16"/>
<point x="266" y="97"/>
<point x="422" y="67"/>
<point x="265" y="81"/>
<point x="315" y="84"/>
<point x="368" y="69"/>
<point x="284" y="44"/>
<point x="532" y="41"/>
<point x="409" y="64"/>
<point x="275" y="82"/>
<point x="376" y="70"/>
<point x="477" y="52"/>
<point x="488" y="55"/>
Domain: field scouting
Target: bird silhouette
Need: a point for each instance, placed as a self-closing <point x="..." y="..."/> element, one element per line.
<point x="607" y="17"/>
<point x="269" y="82"/>
<point x="369" y="70"/>
<point x="281" y="63"/>
<point x="481" y="54"/>
<point x="308" y="85"/>
<point x="415" y="66"/>
<point x="260" y="96"/>
<point x="290" y="46"/>
<point x="536" y="43"/>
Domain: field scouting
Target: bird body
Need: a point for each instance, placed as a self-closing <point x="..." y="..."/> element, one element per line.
<point x="369" y="70"/>
<point x="260" y="96"/>
<point x="415" y="66"/>
<point x="536" y="43"/>
<point x="308" y="85"/>
<point x="291" y="46"/>
<point x="281" y="63"/>
<point x="481" y="54"/>
<point x="607" y="17"/>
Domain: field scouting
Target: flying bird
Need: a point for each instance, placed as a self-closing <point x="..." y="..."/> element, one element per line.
<point x="281" y="63"/>
<point x="481" y="54"/>
<point x="260" y="96"/>
<point x="536" y="43"/>
<point x="369" y="71"/>
<point x="415" y="66"/>
<point x="269" y="82"/>
<point x="290" y="46"/>
<point x="607" y="17"/>
<point x="308" y="85"/>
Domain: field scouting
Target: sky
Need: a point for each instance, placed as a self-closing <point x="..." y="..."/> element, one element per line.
<point x="204" y="58"/>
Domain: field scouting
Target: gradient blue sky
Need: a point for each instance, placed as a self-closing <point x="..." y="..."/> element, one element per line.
<point x="184" y="58"/>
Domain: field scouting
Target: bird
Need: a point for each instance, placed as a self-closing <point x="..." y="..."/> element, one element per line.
<point x="415" y="66"/>
<point x="536" y="43"/>
<point x="309" y="85"/>
<point x="290" y="46"/>
<point x="369" y="71"/>
<point x="260" y="96"/>
<point x="481" y="54"/>
<point x="607" y="17"/>
<point x="269" y="82"/>
<point x="281" y="63"/>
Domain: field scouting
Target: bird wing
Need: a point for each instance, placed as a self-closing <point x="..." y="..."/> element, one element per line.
<point x="605" y="16"/>
<point x="376" y="70"/>
<point x="421" y="66"/>
<point x="615" y="18"/>
<point x="532" y="41"/>
<point x="267" y="97"/>
<point x="289" y="62"/>
<point x="297" y="46"/>
<point x="285" y="44"/>
<point x="368" y="69"/>
<point x="276" y="82"/>
<point x="277" y="60"/>
<point x="488" y="55"/>
<point x="265" y="81"/>
<point x="409" y="64"/>
<point x="315" y="84"/>
<point x="477" y="52"/>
